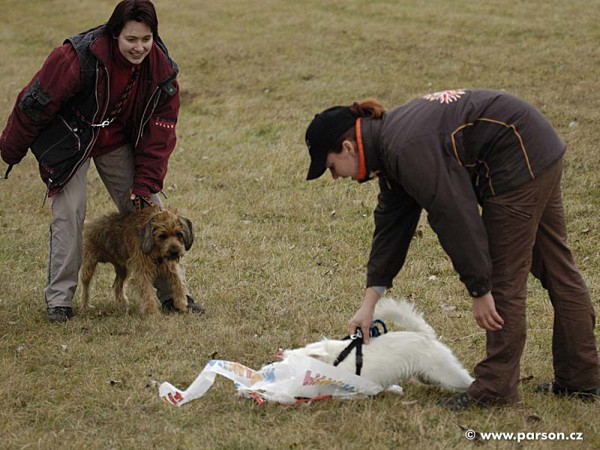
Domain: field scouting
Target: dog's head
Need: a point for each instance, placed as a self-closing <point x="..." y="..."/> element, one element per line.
<point x="165" y="235"/>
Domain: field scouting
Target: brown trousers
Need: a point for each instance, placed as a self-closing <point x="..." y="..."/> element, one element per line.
<point x="527" y="233"/>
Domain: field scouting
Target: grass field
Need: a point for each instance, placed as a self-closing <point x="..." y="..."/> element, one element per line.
<point x="279" y="262"/>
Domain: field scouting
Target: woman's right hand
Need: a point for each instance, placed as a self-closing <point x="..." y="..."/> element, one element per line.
<point x="363" y="318"/>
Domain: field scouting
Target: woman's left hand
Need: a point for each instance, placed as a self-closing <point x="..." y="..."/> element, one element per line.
<point x="485" y="314"/>
<point x="139" y="201"/>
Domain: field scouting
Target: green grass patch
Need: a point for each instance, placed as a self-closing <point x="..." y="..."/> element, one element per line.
<point x="279" y="262"/>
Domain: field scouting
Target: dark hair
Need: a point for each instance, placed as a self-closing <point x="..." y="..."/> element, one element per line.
<point x="138" y="10"/>
<point x="368" y="108"/>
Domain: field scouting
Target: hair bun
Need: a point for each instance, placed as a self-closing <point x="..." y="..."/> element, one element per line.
<point x="369" y="108"/>
<point x="357" y="110"/>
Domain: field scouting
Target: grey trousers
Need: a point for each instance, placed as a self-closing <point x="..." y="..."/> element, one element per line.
<point x="68" y="207"/>
<point x="527" y="233"/>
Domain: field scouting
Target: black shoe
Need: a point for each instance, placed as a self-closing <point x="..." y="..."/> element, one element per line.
<point x="458" y="402"/>
<point x="587" y="395"/>
<point x="193" y="307"/>
<point x="59" y="314"/>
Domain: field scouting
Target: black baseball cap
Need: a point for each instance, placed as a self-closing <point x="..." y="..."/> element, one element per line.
<point x="322" y="134"/>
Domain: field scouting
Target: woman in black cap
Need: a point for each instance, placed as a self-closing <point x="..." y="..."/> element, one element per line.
<point x="449" y="153"/>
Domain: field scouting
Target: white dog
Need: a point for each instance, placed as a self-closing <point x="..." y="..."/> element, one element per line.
<point x="394" y="357"/>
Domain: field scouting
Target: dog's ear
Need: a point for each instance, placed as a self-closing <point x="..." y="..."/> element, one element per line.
<point x="188" y="232"/>
<point x="147" y="238"/>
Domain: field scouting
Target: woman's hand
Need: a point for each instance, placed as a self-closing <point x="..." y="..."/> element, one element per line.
<point x="363" y="318"/>
<point x="485" y="314"/>
<point x="139" y="201"/>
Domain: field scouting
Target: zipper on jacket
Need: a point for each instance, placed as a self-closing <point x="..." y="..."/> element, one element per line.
<point x="88" y="150"/>
<point x="105" y="122"/>
<point x="46" y="194"/>
<point x="144" y="122"/>
<point x="158" y="88"/>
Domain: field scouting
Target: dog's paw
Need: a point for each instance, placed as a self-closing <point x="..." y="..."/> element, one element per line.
<point x="181" y="304"/>
<point x="151" y="308"/>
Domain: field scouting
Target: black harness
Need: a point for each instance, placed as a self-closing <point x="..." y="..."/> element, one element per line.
<point x="357" y="341"/>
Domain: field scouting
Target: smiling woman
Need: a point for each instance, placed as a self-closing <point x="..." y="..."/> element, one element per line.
<point x="134" y="24"/>
<point x="123" y="116"/>
<point x="135" y="41"/>
<point x="140" y="11"/>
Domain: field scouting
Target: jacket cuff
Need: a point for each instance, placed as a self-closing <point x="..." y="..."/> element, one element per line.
<point x="10" y="161"/>
<point x="478" y="289"/>
<point x="141" y="191"/>
<point x="375" y="280"/>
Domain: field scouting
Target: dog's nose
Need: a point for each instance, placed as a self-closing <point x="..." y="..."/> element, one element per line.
<point x="173" y="253"/>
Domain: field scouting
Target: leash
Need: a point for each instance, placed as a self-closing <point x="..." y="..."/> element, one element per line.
<point x="357" y="341"/>
<point x="374" y="330"/>
<point x="10" y="167"/>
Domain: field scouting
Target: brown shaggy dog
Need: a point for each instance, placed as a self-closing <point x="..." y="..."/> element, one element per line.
<point x="142" y="246"/>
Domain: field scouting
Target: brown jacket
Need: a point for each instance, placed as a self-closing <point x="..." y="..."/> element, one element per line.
<point x="445" y="153"/>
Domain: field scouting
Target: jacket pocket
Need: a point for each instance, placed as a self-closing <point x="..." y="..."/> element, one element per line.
<point x="522" y="202"/>
<point x="58" y="149"/>
<point x="35" y="101"/>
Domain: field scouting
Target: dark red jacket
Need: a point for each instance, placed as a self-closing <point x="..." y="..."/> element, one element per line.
<point x="445" y="153"/>
<point x="55" y="91"/>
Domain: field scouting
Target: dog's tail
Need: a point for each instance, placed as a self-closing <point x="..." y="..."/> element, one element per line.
<point x="403" y="314"/>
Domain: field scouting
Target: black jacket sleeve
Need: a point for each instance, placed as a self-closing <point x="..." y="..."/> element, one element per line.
<point x="396" y="218"/>
<point x="443" y="188"/>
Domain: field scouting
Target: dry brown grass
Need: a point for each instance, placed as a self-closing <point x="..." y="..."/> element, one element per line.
<point x="279" y="262"/>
